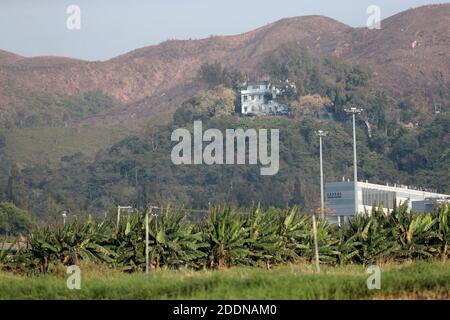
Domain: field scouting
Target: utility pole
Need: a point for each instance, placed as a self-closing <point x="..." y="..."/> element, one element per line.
<point x="354" y="111"/>
<point x="321" y="134"/>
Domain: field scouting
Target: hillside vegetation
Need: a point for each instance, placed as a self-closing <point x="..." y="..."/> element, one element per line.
<point x="138" y="169"/>
<point x="66" y="144"/>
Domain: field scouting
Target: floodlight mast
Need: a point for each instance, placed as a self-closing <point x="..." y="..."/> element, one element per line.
<point x="354" y="111"/>
<point x="321" y="134"/>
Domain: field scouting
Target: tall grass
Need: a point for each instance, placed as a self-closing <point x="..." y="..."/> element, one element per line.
<point x="416" y="280"/>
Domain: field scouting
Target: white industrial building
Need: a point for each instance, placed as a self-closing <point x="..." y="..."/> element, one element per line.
<point x="340" y="198"/>
<point x="258" y="98"/>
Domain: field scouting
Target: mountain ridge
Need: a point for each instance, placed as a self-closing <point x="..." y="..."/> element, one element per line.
<point x="406" y="55"/>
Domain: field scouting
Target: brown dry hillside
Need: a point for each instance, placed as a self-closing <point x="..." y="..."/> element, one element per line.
<point x="409" y="55"/>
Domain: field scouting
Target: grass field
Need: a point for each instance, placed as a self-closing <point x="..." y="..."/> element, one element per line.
<point x="419" y="280"/>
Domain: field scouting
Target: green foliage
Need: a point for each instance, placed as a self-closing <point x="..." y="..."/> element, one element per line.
<point x="420" y="280"/>
<point x="225" y="234"/>
<point x="68" y="245"/>
<point x="215" y="74"/>
<point x="415" y="233"/>
<point x="263" y="237"/>
<point x="173" y="241"/>
<point x="211" y="103"/>
<point x="442" y="240"/>
<point x="366" y="239"/>
<point x="236" y="238"/>
<point x="14" y="221"/>
<point x="138" y="168"/>
<point x="129" y="240"/>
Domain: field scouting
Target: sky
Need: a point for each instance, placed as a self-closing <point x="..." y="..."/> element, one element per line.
<point x="112" y="27"/>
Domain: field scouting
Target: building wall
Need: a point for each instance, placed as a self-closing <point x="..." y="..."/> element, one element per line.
<point x="253" y="99"/>
<point x="339" y="197"/>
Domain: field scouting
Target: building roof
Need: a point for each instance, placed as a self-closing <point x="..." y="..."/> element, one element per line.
<point x="396" y="188"/>
<point x="257" y="83"/>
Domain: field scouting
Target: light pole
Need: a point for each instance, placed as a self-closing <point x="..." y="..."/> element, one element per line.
<point x="354" y="111"/>
<point x="321" y="134"/>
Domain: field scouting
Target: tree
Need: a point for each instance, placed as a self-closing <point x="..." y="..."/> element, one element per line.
<point x="14" y="221"/>
<point x="215" y="74"/>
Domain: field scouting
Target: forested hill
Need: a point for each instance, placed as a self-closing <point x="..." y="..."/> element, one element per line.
<point x="392" y="146"/>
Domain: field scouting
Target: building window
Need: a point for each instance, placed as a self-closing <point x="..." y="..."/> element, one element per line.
<point x="245" y="98"/>
<point x="373" y="197"/>
<point x="334" y="195"/>
<point x="245" y="109"/>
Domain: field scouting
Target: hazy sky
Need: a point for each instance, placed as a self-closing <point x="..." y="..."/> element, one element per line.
<point x="113" y="27"/>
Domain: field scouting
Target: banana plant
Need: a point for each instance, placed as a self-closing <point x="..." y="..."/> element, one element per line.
<point x="5" y="254"/>
<point x="326" y="240"/>
<point x="415" y="233"/>
<point x="263" y="240"/>
<point x="290" y="229"/>
<point x="173" y="242"/>
<point x="68" y="245"/>
<point x="367" y="239"/>
<point x="226" y="235"/>
<point x="442" y="216"/>
<point x="129" y="243"/>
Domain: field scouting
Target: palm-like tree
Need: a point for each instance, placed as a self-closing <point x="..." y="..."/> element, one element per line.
<point x="173" y="241"/>
<point x="226" y="235"/>
<point x="414" y="232"/>
<point x="442" y="216"/>
<point x="69" y="244"/>
<point x="263" y="239"/>
<point x="367" y="239"/>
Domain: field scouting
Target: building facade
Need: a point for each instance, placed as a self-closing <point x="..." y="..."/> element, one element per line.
<point x="258" y="98"/>
<point x="340" y="199"/>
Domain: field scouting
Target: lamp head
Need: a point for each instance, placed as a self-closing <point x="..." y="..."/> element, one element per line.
<point x="353" y="110"/>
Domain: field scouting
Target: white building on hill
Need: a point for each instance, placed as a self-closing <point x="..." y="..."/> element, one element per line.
<point x="258" y="98"/>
